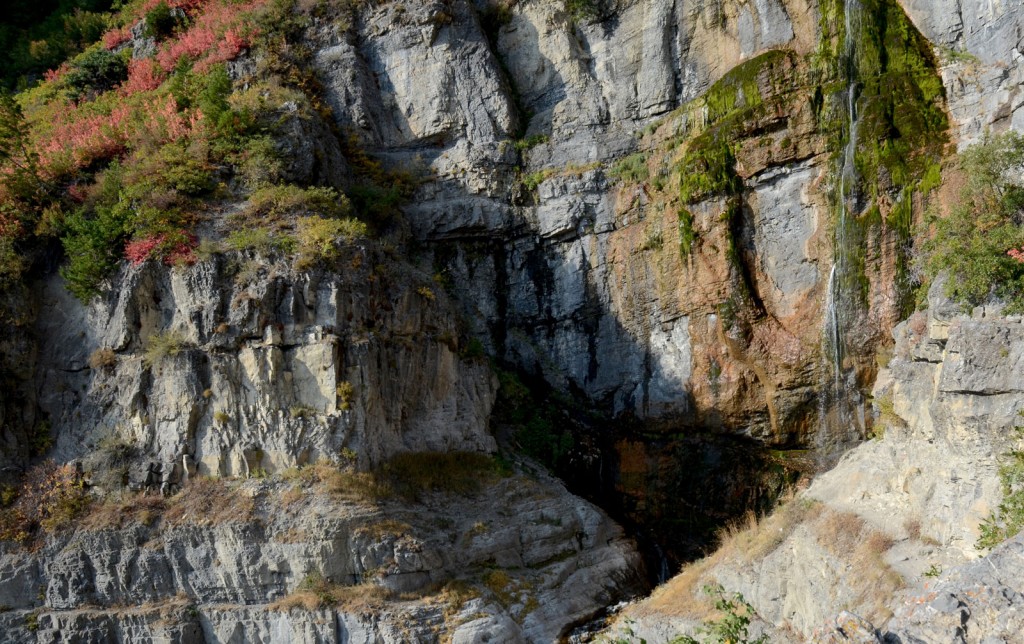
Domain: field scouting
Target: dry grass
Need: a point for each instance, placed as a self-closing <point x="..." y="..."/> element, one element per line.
<point x="292" y="535"/>
<point x="871" y="579"/>
<point x="124" y="510"/>
<point x="316" y="593"/>
<point x="680" y="596"/>
<point x="103" y="358"/>
<point x="291" y="495"/>
<point x="208" y="501"/>
<point x="839" y="532"/>
<point x="324" y="478"/>
<point x="755" y="538"/>
<point x="748" y="540"/>
<point x="384" y="528"/>
<point x="408" y="476"/>
<point x="913" y="528"/>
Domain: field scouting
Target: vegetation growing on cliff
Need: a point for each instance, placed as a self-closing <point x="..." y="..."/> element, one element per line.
<point x="980" y="244"/>
<point x="120" y="154"/>
<point x="1008" y="519"/>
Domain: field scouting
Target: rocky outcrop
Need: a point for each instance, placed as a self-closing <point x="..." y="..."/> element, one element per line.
<point x="977" y="602"/>
<point x="980" y="44"/>
<point x="527" y="558"/>
<point x="563" y="287"/>
<point x="897" y="510"/>
<point x="242" y="364"/>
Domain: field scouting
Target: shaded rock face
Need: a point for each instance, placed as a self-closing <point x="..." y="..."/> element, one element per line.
<point x="558" y="287"/>
<point x="264" y="369"/>
<point x="890" y="533"/>
<point x="574" y="274"/>
<point x="684" y="313"/>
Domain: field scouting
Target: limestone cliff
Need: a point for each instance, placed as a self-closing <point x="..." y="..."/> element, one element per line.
<point x="638" y="207"/>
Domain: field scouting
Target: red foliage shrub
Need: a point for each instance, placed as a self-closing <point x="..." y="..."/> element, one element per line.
<point x="218" y="34"/>
<point x="117" y="36"/>
<point x="143" y="75"/>
<point x="139" y="250"/>
<point x="175" y="249"/>
<point x="82" y="138"/>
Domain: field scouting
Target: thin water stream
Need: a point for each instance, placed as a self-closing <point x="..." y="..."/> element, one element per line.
<point x="841" y="413"/>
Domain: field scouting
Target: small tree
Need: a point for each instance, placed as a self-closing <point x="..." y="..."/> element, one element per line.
<point x="732" y="627"/>
<point x="979" y="243"/>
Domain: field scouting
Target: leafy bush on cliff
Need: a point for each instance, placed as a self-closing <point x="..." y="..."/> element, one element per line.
<point x="120" y="158"/>
<point x="1008" y="519"/>
<point x="979" y="243"/>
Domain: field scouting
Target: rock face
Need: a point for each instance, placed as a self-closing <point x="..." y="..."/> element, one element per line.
<point x="209" y="565"/>
<point x="631" y="203"/>
<point x="976" y="602"/>
<point x="563" y="287"/>
<point x="981" y="44"/>
<point x="898" y="509"/>
<point x="243" y="365"/>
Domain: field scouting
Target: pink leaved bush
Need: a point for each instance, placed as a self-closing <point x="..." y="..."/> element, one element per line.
<point x="80" y="136"/>
<point x="1016" y="254"/>
<point x="144" y="75"/>
<point x="218" y="31"/>
<point x="117" y="36"/>
<point x="218" y="34"/>
<point x="175" y="249"/>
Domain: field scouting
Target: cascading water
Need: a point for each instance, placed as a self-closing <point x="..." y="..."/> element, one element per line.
<point x="841" y="412"/>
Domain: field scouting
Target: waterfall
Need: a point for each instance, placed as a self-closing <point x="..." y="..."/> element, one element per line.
<point x="841" y="409"/>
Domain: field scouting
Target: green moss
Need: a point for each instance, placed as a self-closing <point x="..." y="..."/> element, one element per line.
<point x="901" y="117"/>
<point x="901" y="129"/>
<point x="708" y="169"/>
<point x="687" y="235"/>
<point x="632" y="169"/>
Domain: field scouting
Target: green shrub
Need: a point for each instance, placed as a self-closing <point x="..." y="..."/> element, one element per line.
<point x="973" y="244"/>
<point x="163" y="345"/>
<point x="708" y="169"/>
<point x="533" y="180"/>
<point x="160" y="21"/>
<point x="539" y="429"/>
<point x="530" y="142"/>
<point x="732" y="627"/>
<point x="473" y="350"/>
<point x="11" y="262"/>
<point x="258" y="163"/>
<point x="92" y="243"/>
<point x="687" y="235"/>
<point x="632" y="169"/>
<point x="582" y="10"/>
<point x="95" y="70"/>
<point x="258" y="239"/>
<point x="345" y="392"/>
<point x="317" y="237"/>
<point x="37" y="36"/>
<point x="49" y="498"/>
<point x="276" y="202"/>
<point x="1008" y="519"/>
